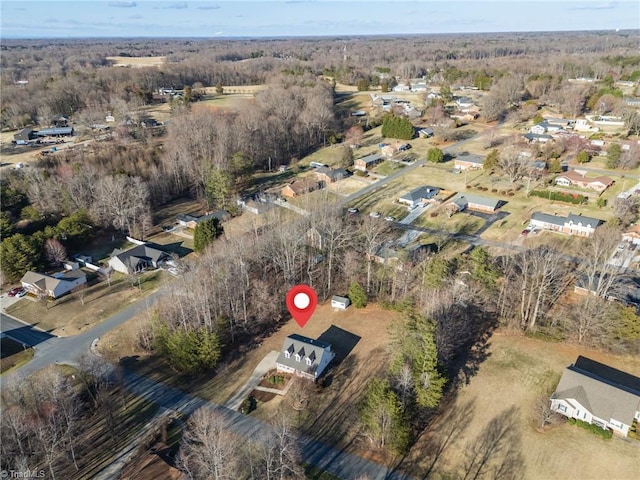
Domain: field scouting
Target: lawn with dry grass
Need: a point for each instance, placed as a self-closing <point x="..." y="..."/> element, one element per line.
<point x="69" y="316"/>
<point x="516" y="373"/>
<point x="13" y="354"/>
<point x="137" y="62"/>
<point x="360" y="338"/>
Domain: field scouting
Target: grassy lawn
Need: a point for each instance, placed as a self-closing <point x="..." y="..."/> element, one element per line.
<point x="516" y="373"/>
<point x="459" y="223"/>
<point x="367" y="327"/>
<point x="387" y="167"/>
<point x="13" y="354"/>
<point x="68" y="316"/>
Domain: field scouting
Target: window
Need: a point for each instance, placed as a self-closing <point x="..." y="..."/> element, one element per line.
<point x="308" y="361"/>
<point x="562" y="408"/>
<point x="297" y="357"/>
<point x="287" y="354"/>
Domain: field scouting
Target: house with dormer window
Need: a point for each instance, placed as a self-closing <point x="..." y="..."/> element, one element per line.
<point x="304" y="356"/>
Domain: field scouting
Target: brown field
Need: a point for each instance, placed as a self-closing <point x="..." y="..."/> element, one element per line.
<point x="137" y="62"/>
<point x="516" y="372"/>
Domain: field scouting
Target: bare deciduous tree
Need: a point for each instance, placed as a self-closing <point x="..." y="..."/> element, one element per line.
<point x="55" y="252"/>
<point x="209" y="449"/>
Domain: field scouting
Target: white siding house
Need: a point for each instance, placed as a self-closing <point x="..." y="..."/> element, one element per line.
<point x="598" y="394"/>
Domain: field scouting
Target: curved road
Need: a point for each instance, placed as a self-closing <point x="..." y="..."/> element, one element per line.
<point x="50" y="350"/>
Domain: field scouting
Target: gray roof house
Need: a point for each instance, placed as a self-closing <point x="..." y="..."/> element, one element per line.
<point x="55" y="132"/>
<point x="598" y="394"/>
<point x="468" y="161"/>
<point x="136" y="259"/>
<point x="192" y="221"/>
<point x="419" y="195"/>
<point x="572" y="224"/>
<point x="54" y="286"/>
<point x="304" y="356"/>
<point x="476" y="202"/>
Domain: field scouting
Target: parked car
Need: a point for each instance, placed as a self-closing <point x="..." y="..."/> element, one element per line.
<point x="525" y="231"/>
<point x="374" y="215"/>
<point x="14" y="291"/>
<point x="21" y="293"/>
<point x="352" y="210"/>
<point x="390" y="219"/>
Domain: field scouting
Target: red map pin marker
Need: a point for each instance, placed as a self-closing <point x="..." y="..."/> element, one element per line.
<point x="301" y="303"/>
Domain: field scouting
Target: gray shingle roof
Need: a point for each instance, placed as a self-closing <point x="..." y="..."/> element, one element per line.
<point x="477" y="200"/>
<point x="427" y="192"/>
<point x="604" y="397"/>
<point x="548" y="218"/>
<point x="306" y="348"/>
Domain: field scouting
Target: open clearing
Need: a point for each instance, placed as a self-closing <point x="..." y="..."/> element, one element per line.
<point x="515" y="374"/>
<point x="137" y="61"/>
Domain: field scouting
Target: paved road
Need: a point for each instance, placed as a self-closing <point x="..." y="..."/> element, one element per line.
<point x="68" y="349"/>
<point x="451" y="149"/>
<point x="339" y="463"/>
<point x="23" y="333"/>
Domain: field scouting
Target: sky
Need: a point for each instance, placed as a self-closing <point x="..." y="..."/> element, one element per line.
<point x="265" y="18"/>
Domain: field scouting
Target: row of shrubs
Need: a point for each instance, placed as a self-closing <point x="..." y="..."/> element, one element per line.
<point x="574" y="198"/>
<point x="509" y="192"/>
<point x="601" y="432"/>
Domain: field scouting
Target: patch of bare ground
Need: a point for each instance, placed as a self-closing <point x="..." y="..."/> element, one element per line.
<point x="516" y="374"/>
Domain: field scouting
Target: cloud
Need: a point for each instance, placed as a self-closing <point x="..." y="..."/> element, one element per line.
<point x="175" y="6"/>
<point x="123" y="4"/>
<point x="134" y="17"/>
<point x="208" y="7"/>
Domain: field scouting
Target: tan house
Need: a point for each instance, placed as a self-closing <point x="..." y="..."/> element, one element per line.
<point x="54" y="286"/>
<point x="367" y="162"/>
<point x="577" y="179"/>
<point x="476" y="203"/>
<point x="469" y="162"/>
<point x="300" y="187"/>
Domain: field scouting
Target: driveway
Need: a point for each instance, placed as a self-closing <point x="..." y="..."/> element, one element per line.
<point x="266" y="364"/>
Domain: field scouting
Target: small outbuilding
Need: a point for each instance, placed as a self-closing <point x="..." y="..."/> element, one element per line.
<point x="339" y="302"/>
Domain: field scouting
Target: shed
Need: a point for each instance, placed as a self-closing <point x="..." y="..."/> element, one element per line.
<point x="340" y="302"/>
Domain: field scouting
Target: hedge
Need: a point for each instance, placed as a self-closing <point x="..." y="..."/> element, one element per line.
<point x="561" y="197"/>
<point x="601" y="432"/>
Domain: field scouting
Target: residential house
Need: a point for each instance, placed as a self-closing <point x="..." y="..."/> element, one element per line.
<point x="364" y="163"/>
<point x="624" y="290"/>
<point x="464" y="103"/>
<point x="578" y="179"/>
<point x="387" y="150"/>
<point x="549" y="126"/>
<point x="598" y="394"/>
<point x="24" y="136"/>
<point x="300" y="187"/>
<point x="468" y="162"/>
<point x="54" y="286"/>
<point x="584" y="125"/>
<point x="304" y="356"/>
<point x="136" y="259"/>
<point x="424" y="194"/>
<point x="632" y="235"/>
<point x="330" y="175"/>
<point x="476" y="203"/>
<point x="192" y="221"/>
<point x="340" y="303"/>
<point x="572" y="224"/>
<point x="537" y="137"/>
